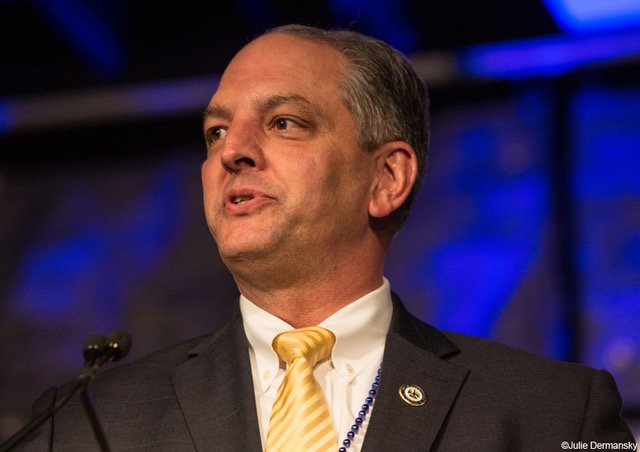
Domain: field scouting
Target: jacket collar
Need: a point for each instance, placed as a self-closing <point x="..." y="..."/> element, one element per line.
<point x="215" y="391"/>
<point x="217" y="377"/>
<point x="415" y="355"/>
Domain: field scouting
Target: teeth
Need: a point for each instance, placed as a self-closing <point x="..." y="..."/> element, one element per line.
<point x="241" y="199"/>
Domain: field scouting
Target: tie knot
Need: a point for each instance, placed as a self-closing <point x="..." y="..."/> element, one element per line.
<point x="313" y="344"/>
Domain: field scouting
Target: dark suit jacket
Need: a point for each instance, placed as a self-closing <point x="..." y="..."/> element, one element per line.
<point x="481" y="396"/>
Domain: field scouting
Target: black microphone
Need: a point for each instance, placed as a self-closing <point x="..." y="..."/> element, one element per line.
<point x="93" y="347"/>
<point x="119" y="345"/>
<point x="97" y="350"/>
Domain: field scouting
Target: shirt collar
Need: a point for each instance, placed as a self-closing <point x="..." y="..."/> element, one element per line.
<point x="360" y="329"/>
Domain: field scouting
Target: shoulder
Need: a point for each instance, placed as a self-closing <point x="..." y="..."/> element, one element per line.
<point x="506" y="371"/>
<point x="489" y="357"/>
<point x="157" y="362"/>
<point x="155" y="367"/>
<point x="562" y="396"/>
<point x="506" y="387"/>
<point x="490" y="360"/>
<point x="527" y="379"/>
<point x="150" y="374"/>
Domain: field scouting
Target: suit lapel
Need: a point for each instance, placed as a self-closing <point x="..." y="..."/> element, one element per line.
<point x="217" y="379"/>
<point x="215" y="391"/>
<point x="413" y="355"/>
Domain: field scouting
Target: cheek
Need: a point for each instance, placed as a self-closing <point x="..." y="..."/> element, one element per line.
<point x="323" y="183"/>
<point x="331" y="194"/>
<point x="210" y="185"/>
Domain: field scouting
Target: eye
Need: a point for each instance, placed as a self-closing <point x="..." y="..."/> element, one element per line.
<point x="283" y="123"/>
<point x="290" y="127"/>
<point x="216" y="134"/>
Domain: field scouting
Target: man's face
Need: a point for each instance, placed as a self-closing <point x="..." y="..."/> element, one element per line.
<point x="284" y="176"/>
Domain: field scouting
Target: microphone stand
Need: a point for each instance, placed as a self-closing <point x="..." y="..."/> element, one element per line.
<point x="93" y="418"/>
<point x="97" y="352"/>
<point x="40" y="419"/>
<point x="86" y="376"/>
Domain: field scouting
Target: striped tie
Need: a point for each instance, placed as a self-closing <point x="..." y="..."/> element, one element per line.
<point x="300" y="420"/>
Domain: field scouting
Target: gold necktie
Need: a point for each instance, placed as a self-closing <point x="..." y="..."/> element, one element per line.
<point x="300" y="420"/>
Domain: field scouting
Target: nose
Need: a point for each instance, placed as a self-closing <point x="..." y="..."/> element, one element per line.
<point x="242" y="149"/>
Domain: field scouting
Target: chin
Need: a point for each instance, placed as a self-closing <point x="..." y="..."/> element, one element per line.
<point x="245" y="246"/>
<point x="244" y="240"/>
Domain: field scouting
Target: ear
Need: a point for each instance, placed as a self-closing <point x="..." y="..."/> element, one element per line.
<point x="397" y="169"/>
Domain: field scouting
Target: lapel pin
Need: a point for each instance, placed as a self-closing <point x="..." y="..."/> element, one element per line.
<point x="413" y="395"/>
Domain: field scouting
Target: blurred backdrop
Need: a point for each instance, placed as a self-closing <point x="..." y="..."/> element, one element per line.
<point x="526" y="230"/>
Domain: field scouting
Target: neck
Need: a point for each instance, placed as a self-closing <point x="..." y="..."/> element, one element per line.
<point x="308" y="294"/>
<point x="307" y="306"/>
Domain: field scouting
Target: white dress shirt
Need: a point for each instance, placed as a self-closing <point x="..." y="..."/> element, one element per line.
<point x="360" y="329"/>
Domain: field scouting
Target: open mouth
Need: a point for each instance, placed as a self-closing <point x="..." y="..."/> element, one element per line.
<point x="241" y="199"/>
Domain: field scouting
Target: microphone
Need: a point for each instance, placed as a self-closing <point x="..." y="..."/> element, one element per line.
<point x="97" y="350"/>
<point x="93" y="347"/>
<point x="119" y="345"/>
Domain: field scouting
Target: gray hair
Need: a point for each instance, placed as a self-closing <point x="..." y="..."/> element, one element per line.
<point x="384" y="94"/>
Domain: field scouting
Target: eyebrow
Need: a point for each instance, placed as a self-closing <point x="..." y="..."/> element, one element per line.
<point x="264" y="105"/>
<point x="216" y="111"/>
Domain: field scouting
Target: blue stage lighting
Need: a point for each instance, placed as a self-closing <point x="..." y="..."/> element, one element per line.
<point x="582" y="16"/>
<point x="87" y="34"/>
<point x="548" y="56"/>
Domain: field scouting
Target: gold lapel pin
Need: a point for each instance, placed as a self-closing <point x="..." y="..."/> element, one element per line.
<point x="413" y="395"/>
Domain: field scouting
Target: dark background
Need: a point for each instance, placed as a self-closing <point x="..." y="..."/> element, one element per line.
<point x="526" y="230"/>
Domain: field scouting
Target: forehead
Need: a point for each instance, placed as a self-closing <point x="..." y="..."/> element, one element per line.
<point x="285" y="63"/>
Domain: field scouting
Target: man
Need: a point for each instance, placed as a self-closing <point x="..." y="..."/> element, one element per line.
<point x="315" y="146"/>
